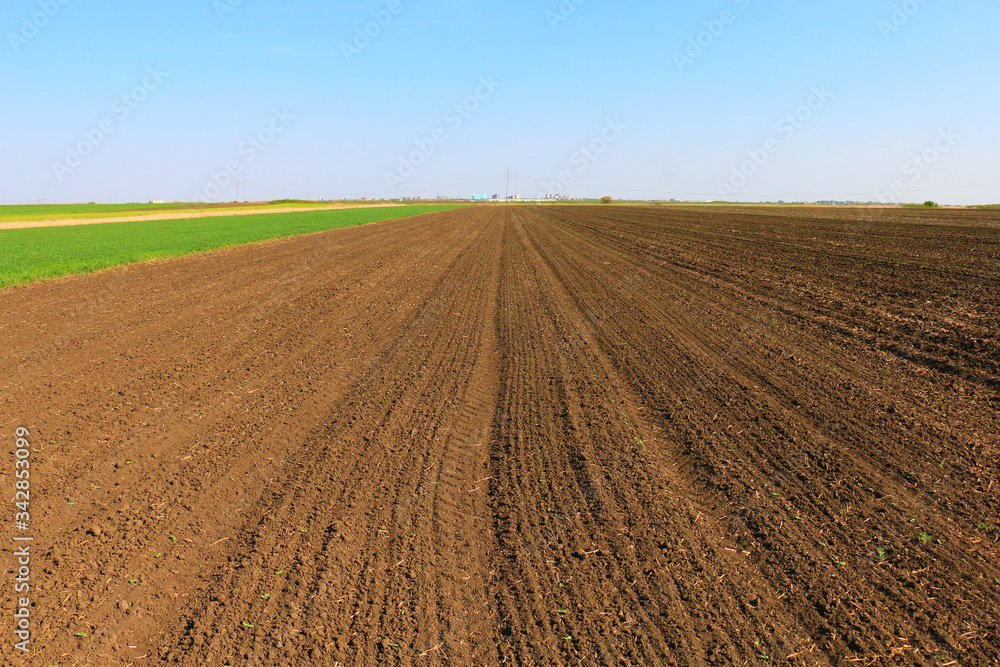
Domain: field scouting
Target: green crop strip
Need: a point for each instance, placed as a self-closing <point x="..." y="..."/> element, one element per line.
<point x="43" y="212"/>
<point x="27" y="255"/>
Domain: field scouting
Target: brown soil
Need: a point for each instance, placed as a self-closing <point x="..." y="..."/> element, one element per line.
<point x="201" y="212"/>
<point x="526" y="436"/>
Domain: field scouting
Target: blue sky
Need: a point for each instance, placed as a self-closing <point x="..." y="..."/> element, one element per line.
<point x="895" y="101"/>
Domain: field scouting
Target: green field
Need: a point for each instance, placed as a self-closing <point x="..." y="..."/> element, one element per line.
<point x="42" y="212"/>
<point x="33" y="254"/>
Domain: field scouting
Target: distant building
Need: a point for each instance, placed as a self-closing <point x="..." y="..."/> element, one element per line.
<point x="155" y="201"/>
<point x="479" y="197"/>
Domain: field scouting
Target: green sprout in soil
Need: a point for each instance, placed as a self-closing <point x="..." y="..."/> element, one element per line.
<point x="925" y="537"/>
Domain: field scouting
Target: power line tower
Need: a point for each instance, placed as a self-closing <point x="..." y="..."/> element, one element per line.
<point x="511" y="172"/>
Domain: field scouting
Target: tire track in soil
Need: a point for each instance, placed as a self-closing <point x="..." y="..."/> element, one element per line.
<point x="846" y="614"/>
<point x="145" y="454"/>
<point x="606" y="557"/>
<point x="390" y="492"/>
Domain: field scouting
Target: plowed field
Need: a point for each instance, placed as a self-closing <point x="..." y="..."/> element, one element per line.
<point x="520" y="436"/>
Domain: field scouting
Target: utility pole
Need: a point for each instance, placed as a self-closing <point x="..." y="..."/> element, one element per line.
<point x="511" y="172"/>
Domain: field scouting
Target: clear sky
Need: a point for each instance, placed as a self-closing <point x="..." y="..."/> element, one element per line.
<point x="888" y="99"/>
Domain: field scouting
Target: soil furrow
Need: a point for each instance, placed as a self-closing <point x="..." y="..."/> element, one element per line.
<point x="517" y="435"/>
